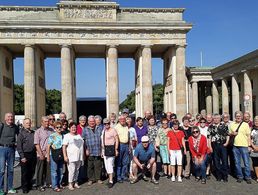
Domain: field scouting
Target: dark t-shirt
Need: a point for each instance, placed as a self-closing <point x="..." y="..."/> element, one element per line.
<point x="8" y="134"/>
<point x="188" y="133"/>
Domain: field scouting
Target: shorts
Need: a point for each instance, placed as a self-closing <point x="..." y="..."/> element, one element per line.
<point x="163" y="149"/>
<point x="255" y="161"/>
<point x="109" y="164"/>
<point x="175" y="157"/>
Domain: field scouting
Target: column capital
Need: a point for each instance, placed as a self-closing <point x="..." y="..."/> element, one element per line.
<point x="29" y="45"/>
<point x="112" y="46"/>
<point x="146" y="46"/>
<point x="181" y="45"/>
<point x="66" y="45"/>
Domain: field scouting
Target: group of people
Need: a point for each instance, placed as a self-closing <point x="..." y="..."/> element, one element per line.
<point x="62" y="153"/>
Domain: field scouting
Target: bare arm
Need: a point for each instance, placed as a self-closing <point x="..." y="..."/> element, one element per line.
<point x="48" y="152"/>
<point x="65" y="153"/>
<point x="135" y="159"/>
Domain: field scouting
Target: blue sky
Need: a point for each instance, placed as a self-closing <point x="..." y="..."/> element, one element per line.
<point x="223" y="30"/>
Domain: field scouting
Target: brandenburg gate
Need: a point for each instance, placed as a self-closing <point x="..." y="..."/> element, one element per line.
<point x="95" y="29"/>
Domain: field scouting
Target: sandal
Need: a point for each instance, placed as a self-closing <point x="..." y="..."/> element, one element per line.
<point x="57" y="190"/>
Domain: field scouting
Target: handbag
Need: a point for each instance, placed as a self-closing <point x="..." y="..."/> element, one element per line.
<point x="181" y="147"/>
<point x="57" y="155"/>
<point x="232" y="137"/>
<point x="109" y="150"/>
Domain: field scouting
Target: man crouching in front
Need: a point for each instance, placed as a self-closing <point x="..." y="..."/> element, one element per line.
<point x="144" y="158"/>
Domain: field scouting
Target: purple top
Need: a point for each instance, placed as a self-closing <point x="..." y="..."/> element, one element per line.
<point x="141" y="132"/>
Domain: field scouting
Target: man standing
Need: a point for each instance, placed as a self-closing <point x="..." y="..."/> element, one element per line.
<point x="218" y="137"/>
<point x="92" y="136"/>
<point x="27" y="152"/>
<point x="8" y="132"/>
<point x="242" y="140"/>
<point x="144" y="158"/>
<point x="43" y="168"/>
<point x="123" y="155"/>
<point x="146" y="118"/>
<point x="62" y="116"/>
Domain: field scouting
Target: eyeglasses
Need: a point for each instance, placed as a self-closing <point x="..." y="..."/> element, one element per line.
<point x="194" y="132"/>
<point x="106" y="123"/>
<point x="58" y="127"/>
<point x="202" y="122"/>
<point x="51" y="119"/>
<point x="164" y="123"/>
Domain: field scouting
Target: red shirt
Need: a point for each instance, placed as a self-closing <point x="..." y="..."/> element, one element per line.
<point x="173" y="137"/>
<point x="79" y="129"/>
<point x="202" y="147"/>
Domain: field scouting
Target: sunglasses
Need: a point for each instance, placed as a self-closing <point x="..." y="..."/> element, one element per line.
<point x="195" y="132"/>
<point x="106" y="123"/>
<point x="58" y="127"/>
<point x="202" y="122"/>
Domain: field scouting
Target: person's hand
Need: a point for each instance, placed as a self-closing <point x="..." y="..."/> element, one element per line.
<point x="41" y="157"/>
<point x="116" y="153"/>
<point x="148" y="166"/>
<point x="24" y="160"/>
<point x="48" y="158"/>
<point x="87" y="152"/>
<point x="102" y="155"/>
<point x="225" y="145"/>
<point x="142" y="166"/>
<point x="66" y="159"/>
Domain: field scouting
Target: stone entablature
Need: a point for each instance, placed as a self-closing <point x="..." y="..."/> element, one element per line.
<point x="199" y="74"/>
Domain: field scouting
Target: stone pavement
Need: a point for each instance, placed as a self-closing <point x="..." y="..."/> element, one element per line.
<point x="164" y="187"/>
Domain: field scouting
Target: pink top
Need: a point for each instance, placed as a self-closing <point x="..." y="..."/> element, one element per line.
<point x="110" y="136"/>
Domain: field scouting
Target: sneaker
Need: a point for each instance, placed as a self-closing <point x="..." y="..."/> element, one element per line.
<point x="169" y="176"/>
<point x="110" y="184"/>
<point x="173" y="178"/>
<point x="179" y="179"/>
<point x="203" y="181"/>
<point x="76" y="186"/>
<point x="154" y="181"/>
<point x="248" y="181"/>
<point x="12" y="191"/>
<point x="239" y="180"/>
<point x="197" y="179"/>
<point x="133" y="181"/>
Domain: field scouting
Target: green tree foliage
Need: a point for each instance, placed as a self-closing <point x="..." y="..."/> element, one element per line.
<point x="53" y="100"/>
<point x="18" y="99"/>
<point x="158" y="92"/>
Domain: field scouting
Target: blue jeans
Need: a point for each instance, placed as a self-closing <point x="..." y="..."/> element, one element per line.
<point x="242" y="152"/>
<point x="56" y="173"/>
<point x="7" y="155"/>
<point x="122" y="161"/>
<point x="200" y="169"/>
<point x="220" y="157"/>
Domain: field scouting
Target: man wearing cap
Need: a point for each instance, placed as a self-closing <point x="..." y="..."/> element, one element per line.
<point x="126" y="112"/>
<point x="144" y="158"/>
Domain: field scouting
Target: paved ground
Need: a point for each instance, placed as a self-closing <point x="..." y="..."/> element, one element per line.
<point x="165" y="187"/>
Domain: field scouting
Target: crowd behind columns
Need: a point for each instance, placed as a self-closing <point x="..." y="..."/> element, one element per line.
<point x="63" y="154"/>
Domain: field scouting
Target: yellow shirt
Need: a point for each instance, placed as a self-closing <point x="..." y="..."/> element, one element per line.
<point x="243" y="133"/>
<point x="122" y="132"/>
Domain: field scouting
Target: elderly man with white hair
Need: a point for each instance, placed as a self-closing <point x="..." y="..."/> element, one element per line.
<point x="8" y="132"/>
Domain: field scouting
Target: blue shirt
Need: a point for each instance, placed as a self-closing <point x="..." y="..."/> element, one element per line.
<point x="92" y="139"/>
<point x="144" y="155"/>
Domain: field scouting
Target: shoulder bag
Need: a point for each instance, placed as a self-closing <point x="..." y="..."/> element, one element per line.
<point x="232" y="137"/>
<point x="109" y="150"/>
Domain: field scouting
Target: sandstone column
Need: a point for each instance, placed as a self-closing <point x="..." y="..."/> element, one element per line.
<point x="225" y="98"/>
<point x="30" y="90"/>
<point x="190" y="97"/>
<point x="112" y="91"/>
<point x="235" y="94"/>
<point x="68" y="82"/>
<point x="195" y="98"/>
<point x="180" y="82"/>
<point x="248" y="105"/>
<point x="215" y="97"/>
<point x="6" y="83"/>
<point x="208" y="99"/>
<point x="143" y="80"/>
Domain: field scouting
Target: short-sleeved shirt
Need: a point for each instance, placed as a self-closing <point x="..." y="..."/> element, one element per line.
<point x="218" y="133"/>
<point x="123" y="133"/>
<point x="110" y="136"/>
<point x="74" y="148"/>
<point x="133" y="135"/>
<point x="175" y="139"/>
<point x="144" y="155"/>
<point x="56" y="141"/>
<point x="92" y="139"/>
<point x="141" y="132"/>
<point x="254" y="136"/>
<point x="41" y="138"/>
<point x="162" y="137"/>
<point x="243" y="133"/>
<point x="152" y="133"/>
<point x="204" y="131"/>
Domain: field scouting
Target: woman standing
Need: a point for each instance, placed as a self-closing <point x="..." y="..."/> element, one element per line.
<point x="198" y="148"/>
<point x="152" y="130"/>
<point x="161" y="143"/>
<point x="73" y="154"/>
<point x="254" y="145"/>
<point x="140" y="129"/>
<point x="109" y="149"/>
<point x="176" y="146"/>
<point x="55" y="156"/>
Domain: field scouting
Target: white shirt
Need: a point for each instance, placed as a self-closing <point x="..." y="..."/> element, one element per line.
<point x="203" y="131"/>
<point x="74" y="147"/>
